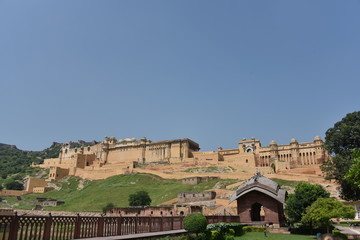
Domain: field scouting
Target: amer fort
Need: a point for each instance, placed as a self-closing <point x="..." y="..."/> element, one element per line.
<point x="112" y="157"/>
<point x="254" y="200"/>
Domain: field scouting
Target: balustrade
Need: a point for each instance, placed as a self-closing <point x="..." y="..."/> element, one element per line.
<point x="65" y="227"/>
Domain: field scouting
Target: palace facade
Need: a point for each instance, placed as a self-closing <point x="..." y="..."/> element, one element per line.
<point x="111" y="156"/>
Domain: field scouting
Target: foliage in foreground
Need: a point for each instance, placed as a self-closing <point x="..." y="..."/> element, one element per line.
<point x="220" y="231"/>
<point x="195" y="223"/>
<point x="353" y="175"/>
<point x="254" y="229"/>
<point x="305" y="194"/>
<point x="340" y="141"/>
<point x="324" y="209"/>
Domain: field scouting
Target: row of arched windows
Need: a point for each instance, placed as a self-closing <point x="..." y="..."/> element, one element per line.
<point x="306" y="158"/>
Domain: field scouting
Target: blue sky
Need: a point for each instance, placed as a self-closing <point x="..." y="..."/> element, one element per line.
<point x="212" y="71"/>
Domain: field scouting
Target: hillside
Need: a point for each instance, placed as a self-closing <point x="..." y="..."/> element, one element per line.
<point x="14" y="160"/>
<point x="15" y="163"/>
<point x="81" y="195"/>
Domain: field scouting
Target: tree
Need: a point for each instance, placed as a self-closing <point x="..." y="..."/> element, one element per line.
<point x="108" y="207"/>
<point x="324" y="209"/>
<point x="1" y="187"/>
<point x="140" y="198"/>
<point x="14" y="186"/>
<point x="353" y="175"/>
<point x="305" y="194"/>
<point x="340" y="140"/>
<point x="195" y="223"/>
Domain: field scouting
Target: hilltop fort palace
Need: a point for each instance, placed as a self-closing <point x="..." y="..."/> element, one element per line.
<point x="112" y="157"/>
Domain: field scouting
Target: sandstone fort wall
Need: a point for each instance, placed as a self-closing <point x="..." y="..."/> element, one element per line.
<point x="111" y="156"/>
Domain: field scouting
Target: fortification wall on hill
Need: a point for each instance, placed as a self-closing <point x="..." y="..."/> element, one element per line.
<point x="112" y="157"/>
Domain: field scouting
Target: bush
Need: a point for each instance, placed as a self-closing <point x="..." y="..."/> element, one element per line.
<point x="231" y="232"/>
<point x="226" y="229"/>
<point x="195" y="223"/>
<point x="108" y="207"/>
<point x="215" y="235"/>
<point x="229" y="237"/>
<point x="254" y="229"/>
<point x="140" y="198"/>
<point x="14" y="186"/>
<point x="339" y="234"/>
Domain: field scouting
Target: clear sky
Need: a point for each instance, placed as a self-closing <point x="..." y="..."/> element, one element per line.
<point x="211" y="71"/>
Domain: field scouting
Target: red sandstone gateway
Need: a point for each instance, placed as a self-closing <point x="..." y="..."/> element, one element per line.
<point x="260" y="201"/>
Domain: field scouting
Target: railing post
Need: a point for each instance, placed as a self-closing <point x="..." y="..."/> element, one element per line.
<point x="100" y="229"/>
<point x="136" y="224"/>
<point x="150" y="223"/>
<point x="181" y="222"/>
<point x="119" y="222"/>
<point x="161" y="223"/>
<point x="172" y="222"/>
<point x="77" y="228"/>
<point x="14" y="227"/>
<point x="47" y="227"/>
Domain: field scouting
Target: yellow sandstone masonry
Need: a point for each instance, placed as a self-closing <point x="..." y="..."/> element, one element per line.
<point x="112" y="157"/>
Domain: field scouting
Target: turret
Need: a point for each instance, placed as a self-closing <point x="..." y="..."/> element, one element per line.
<point x="273" y="149"/>
<point x="294" y="146"/>
<point x="318" y="140"/>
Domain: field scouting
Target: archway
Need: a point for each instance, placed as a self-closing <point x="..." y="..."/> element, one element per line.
<point x="255" y="212"/>
<point x="273" y="167"/>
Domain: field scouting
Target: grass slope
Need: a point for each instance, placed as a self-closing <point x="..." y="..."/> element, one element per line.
<point x="96" y="194"/>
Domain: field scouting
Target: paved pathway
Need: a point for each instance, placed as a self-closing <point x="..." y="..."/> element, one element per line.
<point x="349" y="230"/>
<point x="140" y="235"/>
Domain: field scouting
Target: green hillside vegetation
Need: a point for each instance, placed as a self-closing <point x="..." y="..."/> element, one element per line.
<point x="14" y="160"/>
<point x="15" y="163"/>
<point x="96" y="194"/>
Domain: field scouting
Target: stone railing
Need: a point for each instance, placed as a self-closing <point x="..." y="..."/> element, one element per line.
<point x="73" y="227"/>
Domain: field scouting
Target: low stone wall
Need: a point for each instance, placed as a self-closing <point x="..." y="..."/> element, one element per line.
<point x="12" y="193"/>
<point x="21" y="212"/>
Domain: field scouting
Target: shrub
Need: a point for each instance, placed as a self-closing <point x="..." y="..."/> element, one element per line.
<point x="231" y="232"/>
<point x="339" y="234"/>
<point x="229" y="237"/>
<point x="108" y="207"/>
<point x="140" y="198"/>
<point x="225" y="229"/>
<point x="14" y="186"/>
<point x="215" y="235"/>
<point x="195" y="223"/>
<point x="254" y="229"/>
